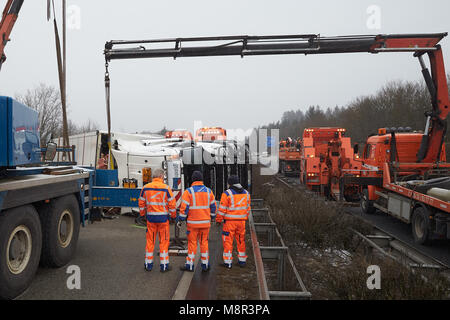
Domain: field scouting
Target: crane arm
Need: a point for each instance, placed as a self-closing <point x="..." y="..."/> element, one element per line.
<point x="436" y="124"/>
<point x="9" y="17"/>
<point x="269" y="45"/>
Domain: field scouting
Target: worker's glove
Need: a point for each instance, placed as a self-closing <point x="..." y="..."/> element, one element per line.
<point x="218" y="223"/>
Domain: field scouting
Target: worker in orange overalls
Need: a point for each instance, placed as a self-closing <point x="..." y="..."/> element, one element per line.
<point x="234" y="209"/>
<point x="198" y="208"/>
<point x="158" y="203"/>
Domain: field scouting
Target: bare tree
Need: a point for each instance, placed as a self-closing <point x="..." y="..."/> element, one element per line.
<point x="396" y="104"/>
<point x="46" y="100"/>
<point x="86" y="127"/>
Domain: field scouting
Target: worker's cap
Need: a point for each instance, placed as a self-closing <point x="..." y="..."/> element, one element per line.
<point x="232" y="180"/>
<point x="197" y="176"/>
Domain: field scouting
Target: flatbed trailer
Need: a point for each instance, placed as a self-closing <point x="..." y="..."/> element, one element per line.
<point x="415" y="204"/>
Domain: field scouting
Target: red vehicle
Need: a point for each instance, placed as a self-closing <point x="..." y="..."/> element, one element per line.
<point x="209" y="134"/>
<point x="395" y="183"/>
<point x="314" y="151"/>
<point x="180" y="133"/>
<point x="340" y="161"/>
<point x="326" y="158"/>
<point x="290" y="157"/>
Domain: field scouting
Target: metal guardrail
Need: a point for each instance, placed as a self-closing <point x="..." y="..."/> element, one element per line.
<point x="260" y="222"/>
<point x="399" y="251"/>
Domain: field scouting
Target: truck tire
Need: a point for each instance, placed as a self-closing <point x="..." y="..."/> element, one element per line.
<point x="420" y="226"/>
<point x="20" y="249"/>
<point x="366" y="205"/>
<point x="60" y="221"/>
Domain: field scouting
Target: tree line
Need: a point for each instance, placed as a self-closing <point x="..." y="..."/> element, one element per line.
<point x="396" y="104"/>
<point x="47" y="101"/>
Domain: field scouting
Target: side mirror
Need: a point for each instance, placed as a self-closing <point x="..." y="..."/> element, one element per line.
<point x="50" y="153"/>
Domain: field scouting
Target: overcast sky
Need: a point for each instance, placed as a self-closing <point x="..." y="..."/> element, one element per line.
<point x="219" y="91"/>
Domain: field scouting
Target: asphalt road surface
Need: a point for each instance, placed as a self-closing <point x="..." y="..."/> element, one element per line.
<point x="110" y="255"/>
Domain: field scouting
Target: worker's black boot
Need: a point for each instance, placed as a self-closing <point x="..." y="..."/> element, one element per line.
<point x="205" y="268"/>
<point x="185" y="268"/>
<point x="148" y="266"/>
<point x="167" y="268"/>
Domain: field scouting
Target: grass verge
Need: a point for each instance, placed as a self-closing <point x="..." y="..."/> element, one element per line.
<point x="331" y="259"/>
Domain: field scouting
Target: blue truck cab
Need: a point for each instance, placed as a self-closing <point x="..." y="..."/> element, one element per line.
<point x="19" y="134"/>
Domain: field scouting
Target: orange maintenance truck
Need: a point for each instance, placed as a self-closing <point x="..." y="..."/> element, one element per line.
<point x="326" y="158"/>
<point x="393" y="182"/>
<point x="341" y="161"/>
<point x="290" y="157"/>
<point x="210" y="134"/>
<point x="314" y="147"/>
<point x="180" y="133"/>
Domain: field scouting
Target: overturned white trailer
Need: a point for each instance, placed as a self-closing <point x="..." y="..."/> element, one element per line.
<point x="131" y="153"/>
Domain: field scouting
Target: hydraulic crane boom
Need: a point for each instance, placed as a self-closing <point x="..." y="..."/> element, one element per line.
<point x="9" y="17"/>
<point x="270" y="45"/>
<point x="419" y="44"/>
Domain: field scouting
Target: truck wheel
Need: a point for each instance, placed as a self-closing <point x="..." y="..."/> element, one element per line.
<point x="20" y="249"/>
<point x="366" y="205"/>
<point x="61" y="225"/>
<point x="420" y="225"/>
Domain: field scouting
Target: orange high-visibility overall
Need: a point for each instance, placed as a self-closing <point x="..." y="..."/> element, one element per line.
<point x="157" y="202"/>
<point x="198" y="206"/>
<point x="234" y="209"/>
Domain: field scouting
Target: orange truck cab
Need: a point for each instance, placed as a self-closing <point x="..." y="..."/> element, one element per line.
<point x="210" y="134"/>
<point x="179" y="133"/>
<point x="382" y="148"/>
<point x="290" y="157"/>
